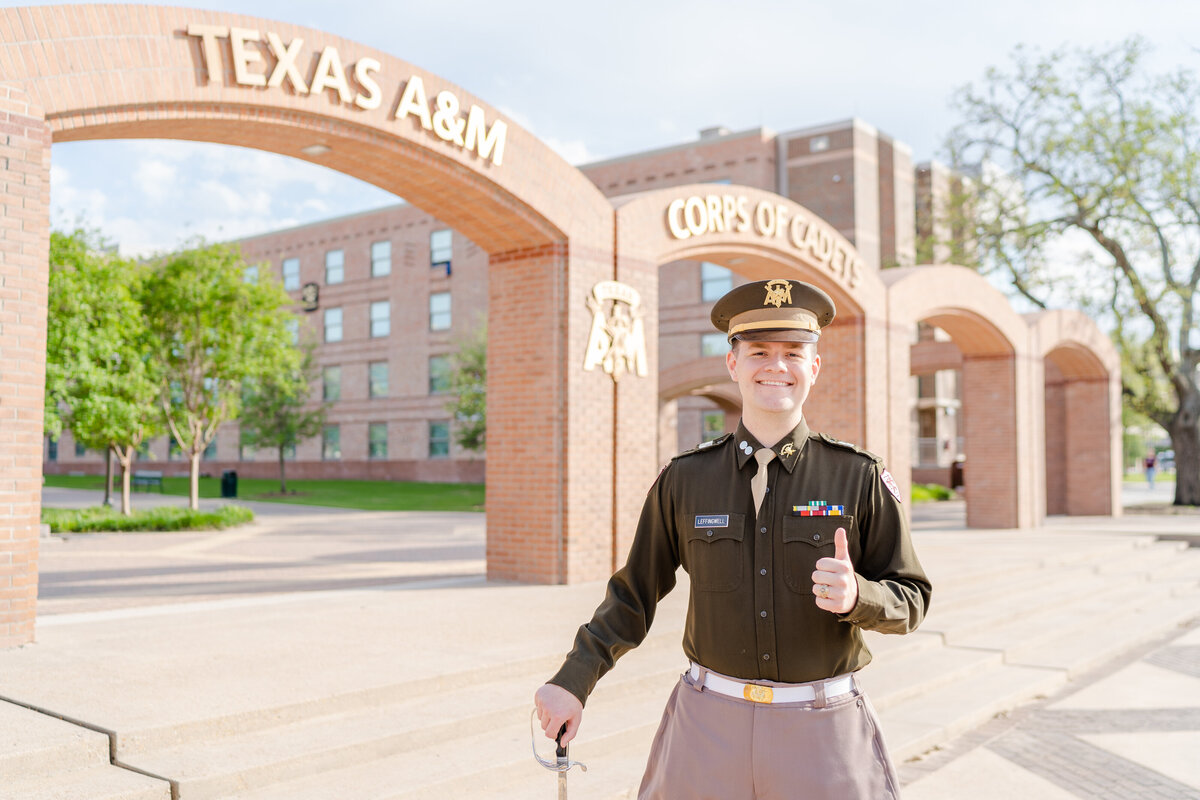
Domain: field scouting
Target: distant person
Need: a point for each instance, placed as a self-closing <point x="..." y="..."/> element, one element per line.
<point x="1150" y="463"/>
<point x="796" y="543"/>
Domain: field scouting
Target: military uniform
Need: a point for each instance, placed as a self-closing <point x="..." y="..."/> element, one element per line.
<point x="752" y="615"/>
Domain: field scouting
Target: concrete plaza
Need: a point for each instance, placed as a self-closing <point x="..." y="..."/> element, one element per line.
<point x="322" y="653"/>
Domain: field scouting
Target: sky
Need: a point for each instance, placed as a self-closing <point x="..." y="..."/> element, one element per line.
<point x="597" y="80"/>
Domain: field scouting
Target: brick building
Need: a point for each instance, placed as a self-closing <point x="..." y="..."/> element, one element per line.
<point x="398" y="289"/>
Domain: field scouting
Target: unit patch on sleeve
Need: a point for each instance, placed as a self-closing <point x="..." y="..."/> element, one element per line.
<point x="714" y="521"/>
<point x="890" y="483"/>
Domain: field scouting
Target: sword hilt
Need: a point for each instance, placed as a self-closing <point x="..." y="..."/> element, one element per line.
<point x="560" y="749"/>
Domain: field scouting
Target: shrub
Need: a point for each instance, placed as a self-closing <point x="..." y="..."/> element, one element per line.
<point x="163" y="518"/>
<point x="924" y="492"/>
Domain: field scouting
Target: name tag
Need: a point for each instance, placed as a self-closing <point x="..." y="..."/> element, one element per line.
<point x="718" y="521"/>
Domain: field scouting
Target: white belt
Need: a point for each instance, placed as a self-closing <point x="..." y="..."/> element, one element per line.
<point x="757" y="693"/>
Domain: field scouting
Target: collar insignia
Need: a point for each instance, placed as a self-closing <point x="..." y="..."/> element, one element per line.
<point x="787" y="450"/>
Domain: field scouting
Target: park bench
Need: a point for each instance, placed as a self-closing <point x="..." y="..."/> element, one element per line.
<point x="147" y="477"/>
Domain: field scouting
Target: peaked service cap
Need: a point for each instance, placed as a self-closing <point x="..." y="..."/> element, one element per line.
<point x="778" y="310"/>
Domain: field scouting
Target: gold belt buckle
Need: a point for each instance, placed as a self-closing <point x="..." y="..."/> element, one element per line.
<point x="757" y="694"/>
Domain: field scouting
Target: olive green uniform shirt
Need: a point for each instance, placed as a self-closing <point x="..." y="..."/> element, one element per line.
<point x="752" y="612"/>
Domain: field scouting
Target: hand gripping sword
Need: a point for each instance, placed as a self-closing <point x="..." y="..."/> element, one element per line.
<point x="562" y="762"/>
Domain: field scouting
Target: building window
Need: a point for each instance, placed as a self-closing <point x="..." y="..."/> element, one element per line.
<point x="381" y="259"/>
<point x="377" y="379"/>
<point x="80" y="450"/>
<point x="439" y="311"/>
<point x="210" y="452"/>
<point x="713" y="344"/>
<point x="439" y="374"/>
<point x="52" y="451"/>
<point x="331" y="443"/>
<point x="293" y="327"/>
<point x="377" y="440"/>
<point x="712" y="425"/>
<point x="439" y="440"/>
<point x="335" y="262"/>
<point x="381" y="319"/>
<point x="333" y="324"/>
<point x="818" y="144"/>
<point x="251" y="274"/>
<point x="715" y="281"/>
<point x="440" y="248"/>
<point x="331" y="391"/>
<point x="174" y="451"/>
<point x="245" y="451"/>
<point x="289" y="452"/>
<point x="291" y="274"/>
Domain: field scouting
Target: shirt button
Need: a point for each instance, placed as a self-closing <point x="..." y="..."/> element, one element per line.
<point x="762" y="572"/>
<point x="816" y="536"/>
<point x="710" y="533"/>
<point x="766" y="656"/>
<point x="766" y="489"/>
<point x="762" y="613"/>
<point x="762" y="530"/>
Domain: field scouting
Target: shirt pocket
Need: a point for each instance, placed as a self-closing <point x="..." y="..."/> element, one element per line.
<point x="715" y="555"/>
<point x="805" y="541"/>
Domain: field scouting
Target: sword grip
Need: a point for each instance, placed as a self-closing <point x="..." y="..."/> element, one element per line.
<point x="560" y="749"/>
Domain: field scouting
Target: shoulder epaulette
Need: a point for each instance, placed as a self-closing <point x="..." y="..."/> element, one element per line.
<point x="825" y="437"/>
<point x="703" y="446"/>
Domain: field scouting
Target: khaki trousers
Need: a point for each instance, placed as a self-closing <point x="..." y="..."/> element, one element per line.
<point x="725" y="748"/>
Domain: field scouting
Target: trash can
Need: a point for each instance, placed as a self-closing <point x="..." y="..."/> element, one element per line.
<point x="229" y="483"/>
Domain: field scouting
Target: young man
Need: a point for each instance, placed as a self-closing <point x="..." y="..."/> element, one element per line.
<point x="795" y="543"/>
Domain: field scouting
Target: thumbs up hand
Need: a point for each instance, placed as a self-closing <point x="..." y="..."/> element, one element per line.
<point x="833" y="582"/>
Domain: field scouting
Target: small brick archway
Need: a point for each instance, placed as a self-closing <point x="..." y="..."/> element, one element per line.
<point x="1001" y="387"/>
<point x="1082" y="414"/>
<point x="70" y="73"/>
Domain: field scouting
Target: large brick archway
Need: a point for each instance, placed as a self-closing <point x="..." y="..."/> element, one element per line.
<point x="71" y="73"/>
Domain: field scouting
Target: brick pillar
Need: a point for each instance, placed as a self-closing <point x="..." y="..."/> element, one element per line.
<point x="550" y="423"/>
<point x="835" y="405"/>
<point x="1088" y="462"/>
<point x="1057" y="448"/>
<point x="990" y="440"/>
<point x="24" y="256"/>
<point x="636" y="440"/>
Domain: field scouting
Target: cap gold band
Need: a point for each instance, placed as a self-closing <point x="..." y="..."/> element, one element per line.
<point x="774" y="319"/>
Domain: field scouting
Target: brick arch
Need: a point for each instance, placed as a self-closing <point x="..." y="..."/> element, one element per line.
<point x="1001" y="387"/>
<point x="1082" y="372"/>
<point x="71" y="73"/>
<point x="686" y="378"/>
<point x="851" y="401"/>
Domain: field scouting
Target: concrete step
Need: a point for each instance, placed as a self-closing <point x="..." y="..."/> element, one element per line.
<point x="206" y="769"/>
<point x="1060" y="617"/>
<point x="482" y="763"/>
<point x="892" y="681"/>
<point x="1086" y="647"/>
<point x="96" y="783"/>
<point x="32" y="743"/>
<point x="937" y="716"/>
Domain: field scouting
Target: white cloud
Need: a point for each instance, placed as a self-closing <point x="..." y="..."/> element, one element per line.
<point x="156" y="178"/>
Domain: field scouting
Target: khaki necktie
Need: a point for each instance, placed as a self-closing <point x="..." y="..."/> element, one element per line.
<point x="758" y="484"/>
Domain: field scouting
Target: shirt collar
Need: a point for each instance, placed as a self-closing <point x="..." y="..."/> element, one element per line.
<point x="787" y="450"/>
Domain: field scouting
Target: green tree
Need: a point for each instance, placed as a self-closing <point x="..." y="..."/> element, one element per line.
<point x="1087" y="148"/>
<point x="96" y="340"/>
<point x="277" y="410"/>
<point x="212" y="330"/>
<point x="468" y="385"/>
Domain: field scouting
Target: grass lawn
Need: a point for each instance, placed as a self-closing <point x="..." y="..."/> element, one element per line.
<point x="1140" y="477"/>
<point x="362" y="495"/>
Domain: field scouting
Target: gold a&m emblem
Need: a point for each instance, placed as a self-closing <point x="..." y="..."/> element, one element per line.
<point x="778" y="292"/>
